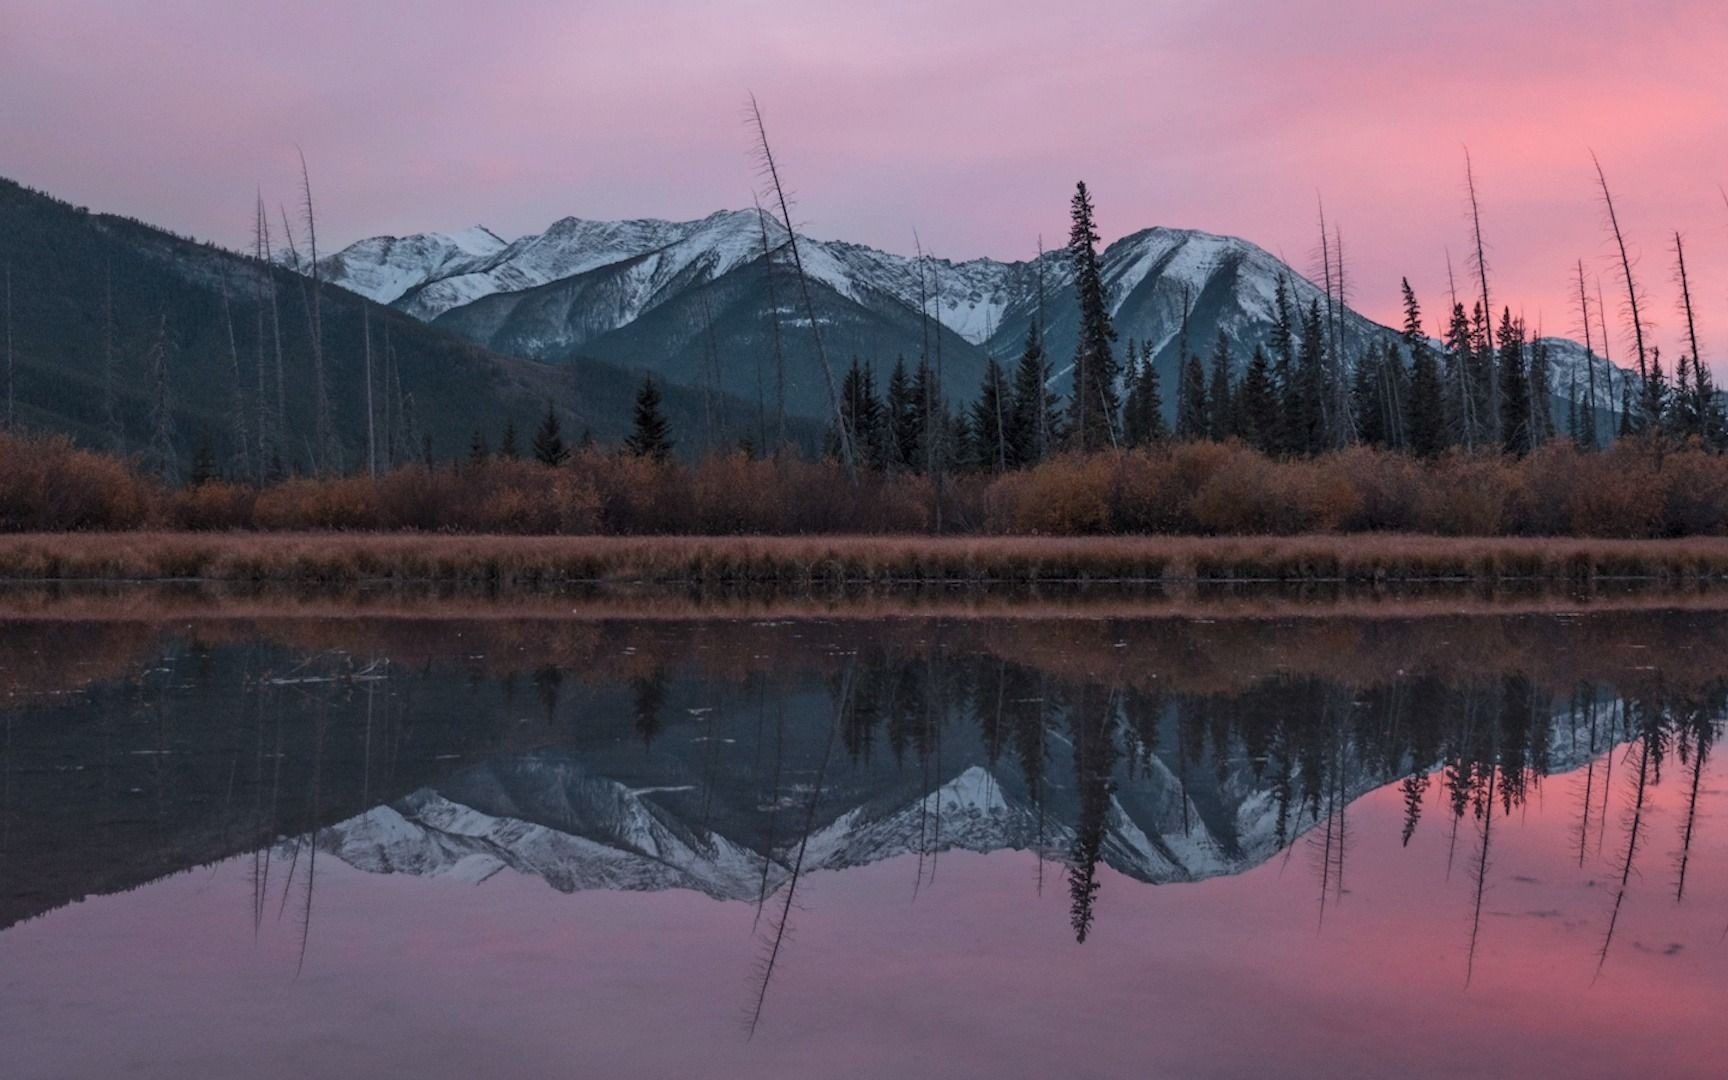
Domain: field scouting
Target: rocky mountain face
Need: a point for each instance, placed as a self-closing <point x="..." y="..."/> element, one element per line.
<point x="693" y="300"/>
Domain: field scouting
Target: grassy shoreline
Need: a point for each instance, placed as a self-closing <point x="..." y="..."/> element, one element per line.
<point x="827" y="562"/>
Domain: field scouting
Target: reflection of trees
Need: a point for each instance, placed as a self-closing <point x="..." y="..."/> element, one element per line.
<point x="1092" y="726"/>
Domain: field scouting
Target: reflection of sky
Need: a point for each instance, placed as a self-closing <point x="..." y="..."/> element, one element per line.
<point x="968" y="120"/>
<point x="980" y="976"/>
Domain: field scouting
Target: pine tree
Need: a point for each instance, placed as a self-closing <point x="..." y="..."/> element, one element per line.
<point x="651" y="435"/>
<point x="1424" y="407"/>
<point x="904" y="423"/>
<point x="1143" y="411"/>
<point x="1094" y="407"/>
<point x="990" y="413"/>
<point x="1193" y="418"/>
<point x="1220" y="409"/>
<point x="1516" y="429"/>
<point x="1035" y="421"/>
<point x="1308" y="403"/>
<point x="507" y="448"/>
<point x="1653" y="405"/>
<point x="861" y="412"/>
<point x="1257" y="405"/>
<point x="1284" y="381"/>
<point x="549" y="448"/>
<point x="1541" y="402"/>
<point x="479" y="452"/>
<point x="1365" y="401"/>
<point x="1461" y="417"/>
<point x="1485" y="379"/>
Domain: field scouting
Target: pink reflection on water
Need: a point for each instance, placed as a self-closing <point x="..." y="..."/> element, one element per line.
<point x="979" y="977"/>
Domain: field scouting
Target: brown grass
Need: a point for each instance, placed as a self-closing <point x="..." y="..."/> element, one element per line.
<point x="827" y="562"/>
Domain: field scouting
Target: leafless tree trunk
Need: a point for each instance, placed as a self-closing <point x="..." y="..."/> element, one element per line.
<point x="1625" y="271"/>
<point x="766" y="154"/>
<point x="1492" y="422"/>
<point x="324" y="429"/>
<point x="779" y="347"/>
<point x="110" y="406"/>
<point x="11" y="395"/>
<point x="1701" y="405"/>
<point x="241" y="464"/>
<point x="1593" y="438"/>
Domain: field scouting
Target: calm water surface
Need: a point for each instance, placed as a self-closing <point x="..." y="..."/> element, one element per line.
<point x="1333" y="846"/>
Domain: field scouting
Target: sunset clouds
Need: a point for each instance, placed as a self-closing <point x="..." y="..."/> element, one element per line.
<point x="967" y="121"/>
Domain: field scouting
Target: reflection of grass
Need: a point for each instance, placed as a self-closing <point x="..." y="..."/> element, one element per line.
<point x="804" y="563"/>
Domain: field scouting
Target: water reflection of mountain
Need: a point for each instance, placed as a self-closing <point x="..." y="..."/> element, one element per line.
<point x="697" y="815"/>
<point x="711" y="756"/>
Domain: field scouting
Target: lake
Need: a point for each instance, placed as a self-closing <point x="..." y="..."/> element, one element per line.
<point x="1455" y="837"/>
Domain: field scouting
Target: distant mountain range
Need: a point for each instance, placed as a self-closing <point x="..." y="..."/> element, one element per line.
<point x="70" y="267"/>
<point x="667" y="296"/>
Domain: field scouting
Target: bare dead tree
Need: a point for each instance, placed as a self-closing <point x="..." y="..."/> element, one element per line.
<point x="1607" y="347"/>
<point x="774" y="324"/>
<point x="1634" y="840"/>
<point x="765" y="155"/>
<point x="241" y="464"/>
<point x="1701" y="406"/>
<point x="324" y="429"/>
<point x="1481" y="264"/>
<point x="1626" y="277"/>
<point x="1592" y="437"/>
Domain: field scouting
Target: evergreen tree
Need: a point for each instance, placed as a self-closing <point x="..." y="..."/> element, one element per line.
<point x="478" y="449"/>
<point x="1485" y="380"/>
<point x="1515" y="426"/>
<point x="904" y="421"/>
<point x="1220" y="408"/>
<point x="1424" y="407"/>
<point x="507" y="448"/>
<point x="990" y="419"/>
<point x="1653" y="403"/>
<point x="1541" y="395"/>
<point x="1257" y="405"/>
<point x="1284" y="381"/>
<point x="1365" y="401"/>
<point x="1461" y="418"/>
<point x="1193" y="419"/>
<point x="650" y="436"/>
<point x="861" y="412"/>
<point x="1308" y="404"/>
<point x="1094" y="407"/>
<point x="1143" y="412"/>
<point x="1035" y="420"/>
<point x="549" y="448"/>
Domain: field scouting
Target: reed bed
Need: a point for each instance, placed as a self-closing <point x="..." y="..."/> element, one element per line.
<point x="804" y="563"/>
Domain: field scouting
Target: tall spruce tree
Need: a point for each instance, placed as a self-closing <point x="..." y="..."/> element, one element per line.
<point x="1093" y="409"/>
<point x="1143" y="411"/>
<point x="1284" y="381"/>
<point x="990" y="416"/>
<point x="1424" y="407"/>
<point x="1308" y="404"/>
<point x="650" y="435"/>
<point x="1257" y="405"/>
<point x="1193" y="419"/>
<point x="548" y="445"/>
<point x="1541" y="400"/>
<point x="1220" y="405"/>
<point x="1035" y="422"/>
<point x="1515" y="427"/>
<point x="905" y="425"/>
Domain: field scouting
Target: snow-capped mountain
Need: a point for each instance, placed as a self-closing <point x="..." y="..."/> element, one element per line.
<point x="685" y="298"/>
<point x="692" y="300"/>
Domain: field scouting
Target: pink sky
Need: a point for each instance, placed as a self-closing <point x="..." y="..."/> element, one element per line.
<point x="969" y="121"/>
